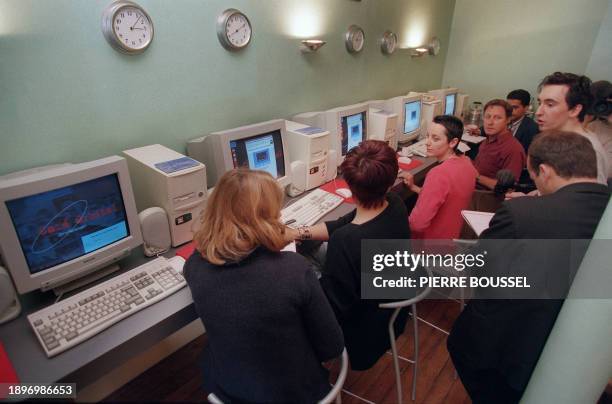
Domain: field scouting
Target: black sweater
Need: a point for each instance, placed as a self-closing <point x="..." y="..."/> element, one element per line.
<point x="363" y="323"/>
<point x="269" y="327"/>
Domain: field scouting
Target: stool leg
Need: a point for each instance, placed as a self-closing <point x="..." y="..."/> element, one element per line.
<point x="415" y="322"/>
<point x="398" y="380"/>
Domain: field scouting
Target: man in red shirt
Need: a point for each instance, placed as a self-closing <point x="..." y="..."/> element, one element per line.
<point x="500" y="150"/>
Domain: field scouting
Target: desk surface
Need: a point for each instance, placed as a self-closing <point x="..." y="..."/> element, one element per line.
<point x="88" y="361"/>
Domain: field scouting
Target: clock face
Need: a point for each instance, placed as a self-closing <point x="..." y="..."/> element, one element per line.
<point x="238" y="30"/>
<point x="388" y="42"/>
<point x="358" y="40"/>
<point x="127" y="27"/>
<point x="132" y="27"/>
<point x="355" y="39"/>
<point x="234" y="29"/>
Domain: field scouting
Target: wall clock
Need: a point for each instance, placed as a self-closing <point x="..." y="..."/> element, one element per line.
<point x="388" y="42"/>
<point x="127" y="27"/>
<point x="234" y="29"/>
<point x="354" y="39"/>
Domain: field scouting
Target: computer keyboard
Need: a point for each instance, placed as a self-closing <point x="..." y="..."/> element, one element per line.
<point x="79" y="317"/>
<point x="419" y="148"/>
<point x="310" y="208"/>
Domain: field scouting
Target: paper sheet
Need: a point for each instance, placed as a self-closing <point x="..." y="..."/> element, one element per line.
<point x="472" y="139"/>
<point x="478" y="221"/>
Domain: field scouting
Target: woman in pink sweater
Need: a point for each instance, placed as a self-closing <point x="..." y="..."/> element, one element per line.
<point x="448" y="187"/>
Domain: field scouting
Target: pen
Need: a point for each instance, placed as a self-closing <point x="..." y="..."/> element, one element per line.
<point x="288" y="222"/>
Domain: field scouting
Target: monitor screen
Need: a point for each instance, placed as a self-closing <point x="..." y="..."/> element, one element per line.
<point x="412" y="116"/>
<point x="60" y="225"/>
<point x="261" y="152"/>
<point x="449" y="103"/>
<point x="353" y="130"/>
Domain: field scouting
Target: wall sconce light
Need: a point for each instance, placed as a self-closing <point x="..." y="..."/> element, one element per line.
<point x="432" y="48"/>
<point x="417" y="52"/>
<point x="311" y="45"/>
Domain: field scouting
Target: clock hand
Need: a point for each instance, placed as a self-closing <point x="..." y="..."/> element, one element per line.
<point x="138" y="19"/>
<point x="240" y="27"/>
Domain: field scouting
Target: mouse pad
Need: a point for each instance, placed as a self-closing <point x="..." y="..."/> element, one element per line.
<point x="336" y="184"/>
<point x="7" y="373"/>
<point x="186" y="250"/>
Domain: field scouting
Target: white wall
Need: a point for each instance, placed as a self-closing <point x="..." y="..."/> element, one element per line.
<point x="497" y="46"/>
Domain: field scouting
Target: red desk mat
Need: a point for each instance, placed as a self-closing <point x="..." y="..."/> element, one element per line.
<point x="414" y="163"/>
<point x="7" y="372"/>
<point x="186" y="250"/>
<point x="333" y="185"/>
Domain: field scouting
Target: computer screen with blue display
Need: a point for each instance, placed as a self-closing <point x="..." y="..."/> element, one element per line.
<point x="412" y="116"/>
<point x="354" y="130"/>
<point x="64" y="223"/>
<point x="60" y="225"/>
<point x="261" y="152"/>
<point x="449" y="104"/>
<point x="259" y="146"/>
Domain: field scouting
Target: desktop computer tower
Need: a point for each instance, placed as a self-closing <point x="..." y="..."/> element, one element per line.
<point x="176" y="183"/>
<point x="310" y="146"/>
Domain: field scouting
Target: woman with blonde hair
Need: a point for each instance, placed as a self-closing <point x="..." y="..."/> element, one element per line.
<point x="268" y="323"/>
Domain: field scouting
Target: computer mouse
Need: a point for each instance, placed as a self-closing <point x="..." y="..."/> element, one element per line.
<point x="404" y="160"/>
<point x="344" y="192"/>
<point x="405" y="151"/>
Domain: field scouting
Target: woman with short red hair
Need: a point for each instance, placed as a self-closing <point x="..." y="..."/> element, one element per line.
<point x="369" y="169"/>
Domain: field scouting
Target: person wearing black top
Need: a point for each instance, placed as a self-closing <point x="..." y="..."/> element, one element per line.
<point x="369" y="169"/>
<point x="268" y="323"/>
<point x="523" y="127"/>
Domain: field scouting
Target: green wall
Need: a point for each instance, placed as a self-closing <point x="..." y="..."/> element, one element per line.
<point x="600" y="64"/>
<point x="498" y="46"/>
<point x="66" y="95"/>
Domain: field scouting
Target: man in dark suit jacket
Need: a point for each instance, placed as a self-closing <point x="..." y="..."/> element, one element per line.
<point x="523" y="127"/>
<point x="495" y="344"/>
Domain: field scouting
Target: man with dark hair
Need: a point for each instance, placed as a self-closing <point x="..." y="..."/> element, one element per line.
<point x="495" y="344"/>
<point x="500" y="150"/>
<point x="523" y="128"/>
<point x="564" y="99"/>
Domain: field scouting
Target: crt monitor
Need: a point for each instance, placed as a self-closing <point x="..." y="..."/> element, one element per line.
<point x="354" y="130"/>
<point x="260" y="152"/>
<point x="449" y="104"/>
<point x="262" y="146"/>
<point x="64" y="222"/>
<point x="448" y="97"/>
<point x="412" y="116"/>
<point x="410" y="110"/>
<point x="348" y="126"/>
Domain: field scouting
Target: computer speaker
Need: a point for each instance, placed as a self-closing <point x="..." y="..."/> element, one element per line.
<point x="332" y="165"/>
<point x="155" y="231"/>
<point x="298" y="179"/>
<point x="9" y="303"/>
